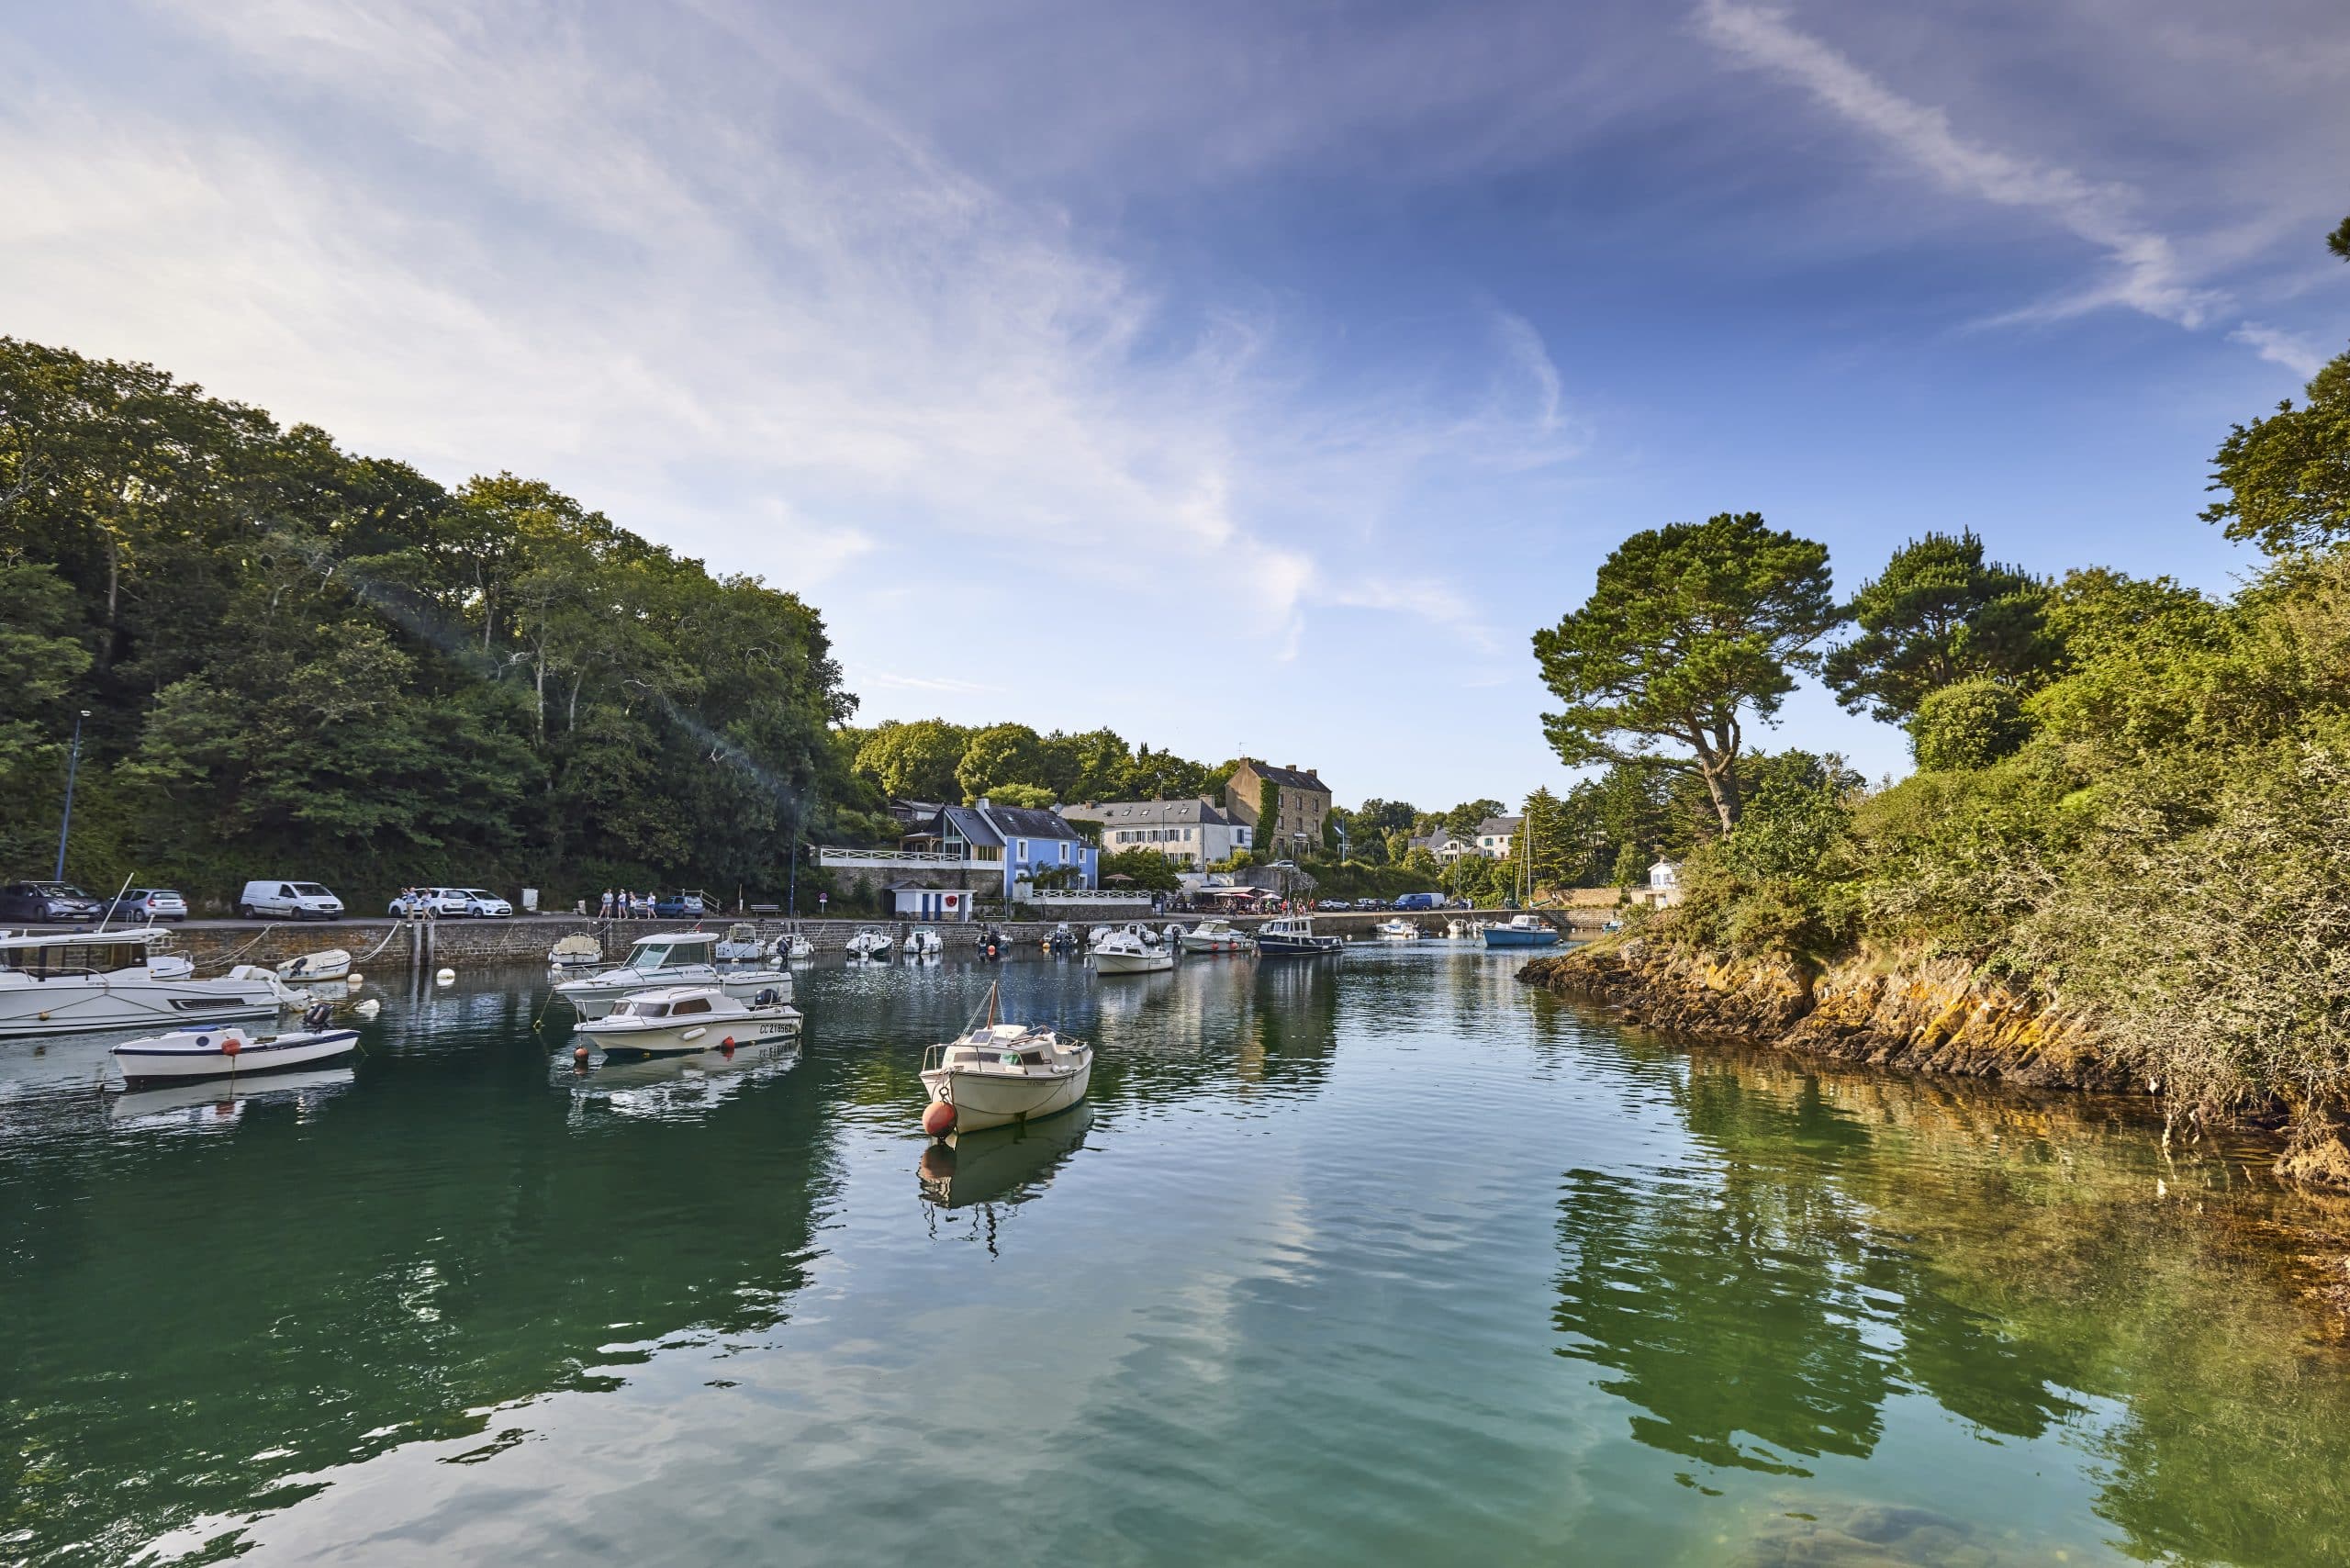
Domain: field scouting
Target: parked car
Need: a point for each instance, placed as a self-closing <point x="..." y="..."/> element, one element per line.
<point x="287" y="900"/>
<point x="1417" y="901"/>
<point x="1371" y="904"/>
<point x="483" y="904"/>
<point x="450" y="903"/>
<point x="679" y="906"/>
<point x="60" y="904"/>
<point x="1332" y="903"/>
<point x="149" y="904"/>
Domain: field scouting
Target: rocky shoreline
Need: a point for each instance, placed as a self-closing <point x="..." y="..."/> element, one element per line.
<point x="1926" y="1014"/>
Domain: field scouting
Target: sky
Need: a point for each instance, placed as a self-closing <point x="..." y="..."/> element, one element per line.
<point x="1246" y="378"/>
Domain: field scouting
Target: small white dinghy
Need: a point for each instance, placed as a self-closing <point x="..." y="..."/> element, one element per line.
<point x="226" y="1050"/>
<point x="995" y="1074"/>
<point x="679" y="1020"/>
<point x="327" y="964"/>
<point x="1130" y="952"/>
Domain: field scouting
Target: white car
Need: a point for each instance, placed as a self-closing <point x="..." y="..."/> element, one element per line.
<point x="451" y="903"/>
<point x="288" y="900"/>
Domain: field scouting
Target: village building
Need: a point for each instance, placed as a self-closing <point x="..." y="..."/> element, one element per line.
<point x="1192" y="833"/>
<point x="1296" y="804"/>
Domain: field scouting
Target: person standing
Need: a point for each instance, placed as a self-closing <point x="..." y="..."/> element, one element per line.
<point x="604" y="911"/>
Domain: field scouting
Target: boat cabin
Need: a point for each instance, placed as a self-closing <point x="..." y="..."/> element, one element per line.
<point x="672" y="950"/>
<point x="76" y="953"/>
<point x="647" y="1007"/>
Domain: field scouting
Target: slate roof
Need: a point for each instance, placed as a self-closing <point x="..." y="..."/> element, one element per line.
<point x="1499" y="827"/>
<point x="1289" y="777"/>
<point x="1028" y="822"/>
<point x="1150" y="813"/>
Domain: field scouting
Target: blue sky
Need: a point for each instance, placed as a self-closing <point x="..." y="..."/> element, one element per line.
<point x="1239" y="377"/>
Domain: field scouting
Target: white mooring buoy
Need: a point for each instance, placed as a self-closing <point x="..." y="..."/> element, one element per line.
<point x="447" y="977"/>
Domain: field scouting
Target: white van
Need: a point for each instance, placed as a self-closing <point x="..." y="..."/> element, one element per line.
<point x="288" y="900"/>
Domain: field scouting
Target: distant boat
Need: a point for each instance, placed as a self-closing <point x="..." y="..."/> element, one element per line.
<point x="794" y="946"/>
<point x="575" y="952"/>
<point x="1130" y="952"/>
<point x="741" y="945"/>
<point x="1522" y="930"/>
<point x="672" y="957"/>
<point x="923" y="941"/>
<point x="1397" y="931"/>
<point x="1292" y="936"/>
<point x="869" y="944"/>
<point x="331" y="964"/>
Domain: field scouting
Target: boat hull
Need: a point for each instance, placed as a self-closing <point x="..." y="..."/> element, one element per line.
<point x="693" y="1038"/>
<point x="1133" y="963"/>
<point x="984" y="1099"/>
<point x="146" y="1064"/>
<point x="596" y="998"/>
<point x="1497" y="937"/>
<point x="1299" y="947"/>
<point x="127" y="1000"/>
<point x="1214" y="944"/>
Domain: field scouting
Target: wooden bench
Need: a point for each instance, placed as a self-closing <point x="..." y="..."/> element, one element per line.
<point x="767" y="909"/>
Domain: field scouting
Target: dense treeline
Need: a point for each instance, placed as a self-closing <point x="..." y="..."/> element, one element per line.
<point x="302" y="662"/>
<point x="2131" y="798"/>
<point x="931" y="759"/>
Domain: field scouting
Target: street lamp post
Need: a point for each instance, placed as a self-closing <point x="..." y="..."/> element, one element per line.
<point x="72" y="767"/>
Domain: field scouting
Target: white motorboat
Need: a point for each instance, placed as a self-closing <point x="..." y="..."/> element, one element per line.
<point x="743" y="945"/>
<point x="794" y="946"/>
<point x="225" y="1050"/>
<point x="681" y="1019"/>
<point x="1215" y="936"/>
<point x="995" y="1074"/>
<point x="327" y="964"/>
<point x="579" y="951"/>
<point x="1456" y="928"/>
<point x="673" y="957"/>
<point x="1129" y="952"/>
<point x="924" y="941"/>
<point x="868" y="943"/>
<point x="113" y="979"/>
<point x="1397" y="931"/>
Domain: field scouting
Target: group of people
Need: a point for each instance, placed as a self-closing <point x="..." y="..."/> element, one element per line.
<point x="621" y="904"/>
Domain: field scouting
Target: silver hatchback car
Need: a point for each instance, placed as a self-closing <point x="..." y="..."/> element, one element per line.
<point x="152" y="904"/>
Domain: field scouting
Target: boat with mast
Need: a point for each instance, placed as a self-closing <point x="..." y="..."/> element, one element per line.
<point x="994" y="1074"/>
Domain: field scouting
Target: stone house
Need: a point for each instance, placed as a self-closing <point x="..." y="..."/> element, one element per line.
<point x="1299" y="802"/>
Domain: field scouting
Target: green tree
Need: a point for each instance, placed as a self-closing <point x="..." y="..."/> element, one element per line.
<point x="1144" y="868"/>
<point x="2288" y="476"/>
<point x="1034" y="795"/>
<point x="1000" y="754"/>
<point x="1937" y="613"/>
<point x="1970" y="724"/>
<point x="1690" y="629"/>
<point x="1463" y="819"/>
<point x="915" y="761"/>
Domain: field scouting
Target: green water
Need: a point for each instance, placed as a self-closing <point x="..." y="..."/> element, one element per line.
<point x="1382" y="1261"/>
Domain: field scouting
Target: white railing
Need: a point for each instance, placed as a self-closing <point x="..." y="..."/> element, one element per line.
<point x="840" y="855"/>
<point x="1082" y="895"/>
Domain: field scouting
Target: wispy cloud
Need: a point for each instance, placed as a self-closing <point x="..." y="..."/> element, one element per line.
<point x="2295" y="353"/>
<point x="891" y="681"/>
<point x="2143" y="271"/>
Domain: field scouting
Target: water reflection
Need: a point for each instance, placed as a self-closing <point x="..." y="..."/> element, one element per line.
<point x="216" y="1105"/>
<point x="675" y="1088"/>
<point x="986" y="1174"/>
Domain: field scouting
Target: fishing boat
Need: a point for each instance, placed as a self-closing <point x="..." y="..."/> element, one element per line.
<point x="224" y="1050"/>
<point x="76" y="980"/>
<point x="680" y="1019"/>
<point x="1292" y="936"/>
<point x="575" y="952"/>
<point x="924" y="941"/>
<point x="674" y="958"/>
<point x="743" y="945"/>
<point x="869" y="944"/>
<point x="1129" y="952"/>
<point x="1522" y="930"/>
<point x="995" y="1074"/>
<point x="1397" y="931"/>
<point x="1215" y="936"/>
<point x="330" y="964"/>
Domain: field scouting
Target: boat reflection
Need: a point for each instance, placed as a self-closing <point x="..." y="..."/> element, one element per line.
<point x="675" y="1088"/>
<point x="974" y="1175"/>
<point x="218" y="1102"/>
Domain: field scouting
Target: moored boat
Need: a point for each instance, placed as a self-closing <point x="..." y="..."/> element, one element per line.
<point x="674" y="958"/>
<point x="995" y="1074"/>
<point x="1131" y="952"/>
<point x="677" y="1020"/>
<point x="76" y="980"/>
<point x="1215" y="936"/>
<point x="923" y="941"/>
<point x="743" y="945"/>
<point x="328" y="964"/>
<point x="869" y="944"/>
<point x="1292" y="936"/>
<point x="1397" y="931"/>
<point x="1522" y="930"/>
<point x="580" y="951"/>
<point x="796" y="946"/>
<point x="225" y="1050"/>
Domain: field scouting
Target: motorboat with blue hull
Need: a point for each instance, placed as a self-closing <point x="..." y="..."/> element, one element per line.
<point x="229" y="1050"/>
<point x="1522" y="930"/>
<point x="1293" y="937"/>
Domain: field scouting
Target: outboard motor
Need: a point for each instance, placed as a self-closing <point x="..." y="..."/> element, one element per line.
<point x="767" y="998"/>
<point x="316" y="1017"/>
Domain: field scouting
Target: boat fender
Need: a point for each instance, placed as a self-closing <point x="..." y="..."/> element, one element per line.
<point x="693" y="1034"/>
<point x="726" y="1046"/>
<point x="939" y="1119"/>
<point x="232" y="1046"/>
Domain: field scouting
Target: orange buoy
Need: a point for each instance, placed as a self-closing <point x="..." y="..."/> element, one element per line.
<point x="232" y="1046"/>
<point x="579" y="1056"/>
<point x="939" y="1120"/>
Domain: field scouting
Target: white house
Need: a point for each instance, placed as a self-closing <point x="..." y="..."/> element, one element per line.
<point x="1195" y="832"/>
<point x="1664" y="883"/>
<point x="1494" y="835"/>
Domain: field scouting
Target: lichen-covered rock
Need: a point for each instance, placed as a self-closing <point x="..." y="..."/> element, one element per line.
<point x="1929" y="1015"/>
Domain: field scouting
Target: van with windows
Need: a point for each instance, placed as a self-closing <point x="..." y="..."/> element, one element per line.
<point x="287" y="900"/>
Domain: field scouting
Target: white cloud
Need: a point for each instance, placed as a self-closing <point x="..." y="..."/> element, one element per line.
<point x="2296" y="355"/>
<point x="2145" y="272"/>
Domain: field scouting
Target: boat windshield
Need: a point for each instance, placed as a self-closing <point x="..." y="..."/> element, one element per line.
<point x="74" y="957"/>
<point x="652" y="958"/>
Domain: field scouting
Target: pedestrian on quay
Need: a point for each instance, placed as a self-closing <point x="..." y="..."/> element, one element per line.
<point x="604" y="911"/>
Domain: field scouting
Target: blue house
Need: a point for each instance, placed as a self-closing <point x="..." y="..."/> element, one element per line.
<point x="1013" y="843"/>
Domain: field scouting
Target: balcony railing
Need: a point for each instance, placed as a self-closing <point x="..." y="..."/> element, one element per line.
<point x="842" y="855"/>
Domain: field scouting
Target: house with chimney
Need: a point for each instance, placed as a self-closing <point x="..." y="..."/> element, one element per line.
<point x="1285" y="806"/>
<point x="1192" y="833"/>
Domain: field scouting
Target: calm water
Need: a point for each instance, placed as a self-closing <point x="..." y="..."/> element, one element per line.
<point x="1384" y="1262"/>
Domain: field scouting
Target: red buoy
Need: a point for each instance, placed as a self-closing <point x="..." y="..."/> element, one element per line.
<point x="579" y="1056"/>
<point x="939" y="1120"/>
<point x="232" y="1046"/>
